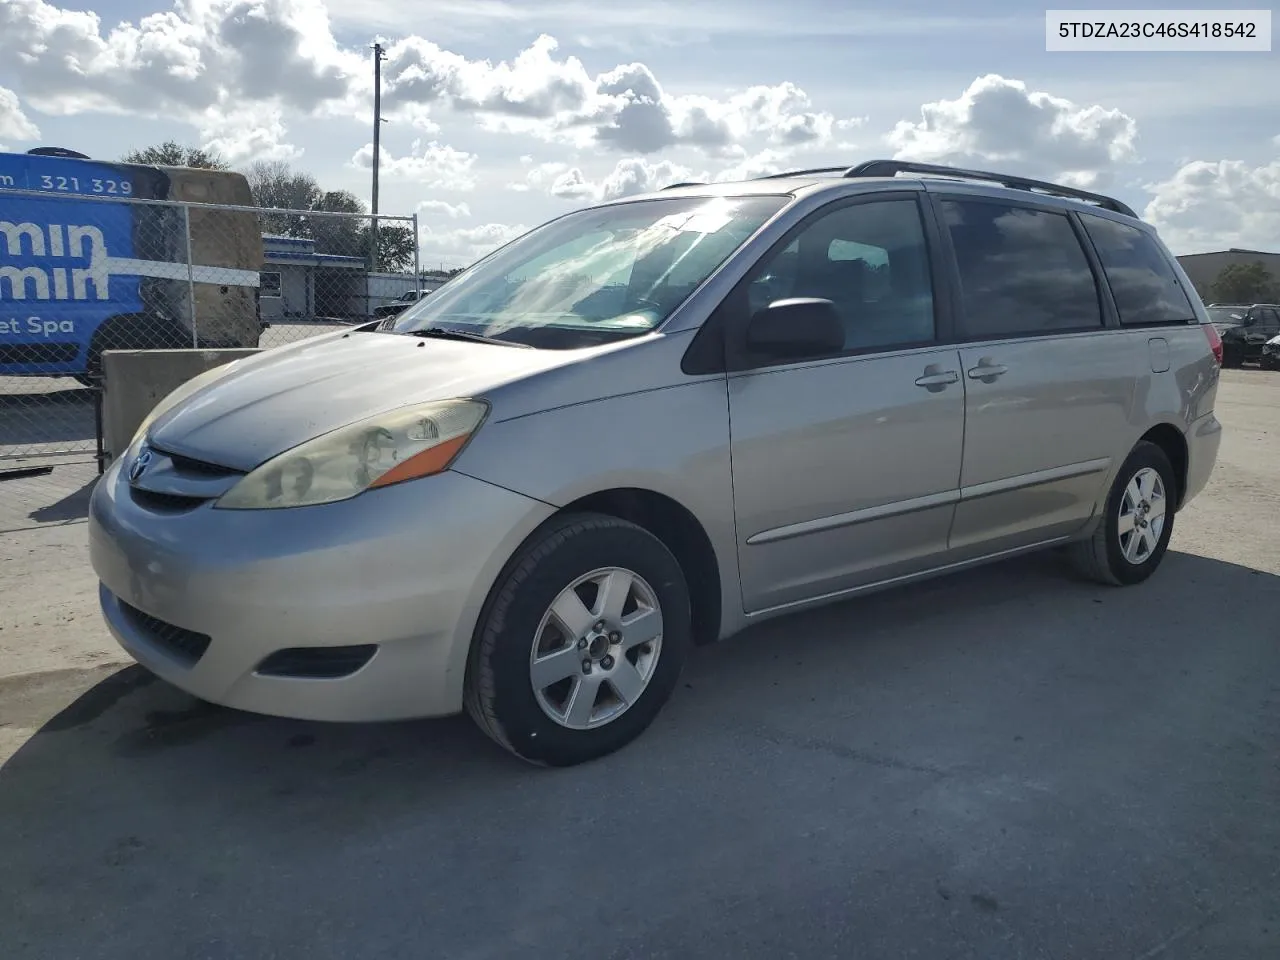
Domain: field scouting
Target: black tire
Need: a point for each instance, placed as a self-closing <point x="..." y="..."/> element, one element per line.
<point x="499" y="691"/>
<point x="92" y="375"/>
<point x="1101" y="557"/>
<point x="1232" y="356"/>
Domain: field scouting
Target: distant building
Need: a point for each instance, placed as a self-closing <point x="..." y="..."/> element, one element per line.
<point x="1203" y="268"/>
<point x="297" y="283"/>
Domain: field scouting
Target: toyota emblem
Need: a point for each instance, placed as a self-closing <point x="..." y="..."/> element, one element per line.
<point x="139" y="465"/>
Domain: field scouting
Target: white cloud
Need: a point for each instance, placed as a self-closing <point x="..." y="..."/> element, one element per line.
<point x="256" y="132"/>
<point x="206" y="59"/>
<point x="635" y="175"/>
<point x="432" y="164"/>
<point x="629" y="177"/>
<point x="539" y="176"/>
<point x="201" y="54"/>
<point x="464" y="246"/>
<point x="1000" y="121"/>
<point x="1216" y="204"/>
<point x="451" y="210"/>
<point x="756" y="165"/>
<point x="573" y="185"/>
<point x="625" y="109"/>
<point x="14" y="124"/>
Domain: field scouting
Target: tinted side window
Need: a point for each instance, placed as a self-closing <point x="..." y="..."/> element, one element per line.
<point x="870" y="260"/>
<point x="1145" y="287"/>
<point x="1022" y="271"/>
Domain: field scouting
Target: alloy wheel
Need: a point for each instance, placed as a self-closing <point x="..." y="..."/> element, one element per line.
<point x="1144" y="508"/>
<point x="596" y="648"/>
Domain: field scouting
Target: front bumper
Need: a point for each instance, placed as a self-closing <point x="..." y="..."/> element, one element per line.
<point x="405" y="568"/>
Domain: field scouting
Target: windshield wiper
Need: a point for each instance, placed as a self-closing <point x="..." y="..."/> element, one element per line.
<point x="441" y="333"/>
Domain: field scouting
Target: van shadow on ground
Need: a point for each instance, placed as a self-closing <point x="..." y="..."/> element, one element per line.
<point x="72" y="506"/>
<point x="993" y="765"/>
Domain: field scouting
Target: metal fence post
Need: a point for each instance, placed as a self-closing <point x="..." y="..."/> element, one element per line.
<point x="191" y="275"/>
<point x="417" y="269"/>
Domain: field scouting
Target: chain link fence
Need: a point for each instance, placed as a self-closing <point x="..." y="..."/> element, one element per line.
<point x="80" y="275"/>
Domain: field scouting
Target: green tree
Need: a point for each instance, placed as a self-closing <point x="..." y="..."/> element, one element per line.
<point x="343" y="236"/>
<point x="1244" y="283"/>
<point x="275" y="184"/>
<point x="396" y="246"/>
<point x="173" y="154"/>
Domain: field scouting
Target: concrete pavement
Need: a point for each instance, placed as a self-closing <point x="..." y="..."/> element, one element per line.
<point x="1004" y="764"/>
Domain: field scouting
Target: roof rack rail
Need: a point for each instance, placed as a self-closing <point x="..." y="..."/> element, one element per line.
<point x="800" y="173"/>
<point x="687" y="183"/>
<point x="888" y="168"/>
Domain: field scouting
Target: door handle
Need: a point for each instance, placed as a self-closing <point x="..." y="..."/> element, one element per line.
<point x="986" y="370"/>
<point x="939" y="379"/>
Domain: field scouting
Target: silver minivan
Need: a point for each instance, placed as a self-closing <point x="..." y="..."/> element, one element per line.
<point x="648" y="424"/>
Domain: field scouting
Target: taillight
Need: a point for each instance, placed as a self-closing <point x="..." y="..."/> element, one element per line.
<point x="1215" y="341"/>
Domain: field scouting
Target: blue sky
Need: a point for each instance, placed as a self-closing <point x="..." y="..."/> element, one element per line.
<point x="503" y="113"/>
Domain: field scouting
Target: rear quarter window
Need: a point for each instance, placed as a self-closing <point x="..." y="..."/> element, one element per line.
<point x="1145" y="288"/>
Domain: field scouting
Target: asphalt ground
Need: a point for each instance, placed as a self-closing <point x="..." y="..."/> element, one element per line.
<point x="1008" y="763"/>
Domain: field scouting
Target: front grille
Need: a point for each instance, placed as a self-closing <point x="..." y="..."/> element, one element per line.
<point x="185" y="464"/>
<point x="185" y="646"/>
<point x="317" y="663"/>
<point x="164" y="501"/>
<point x="39" y="352"/>
<point x="187" y="482"/>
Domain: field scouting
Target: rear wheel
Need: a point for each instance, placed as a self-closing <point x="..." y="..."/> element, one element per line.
<point x="581" y="642"/>
<point x="1134" y="533"/>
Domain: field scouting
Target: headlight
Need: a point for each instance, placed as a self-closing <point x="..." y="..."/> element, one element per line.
<point x="171" y="400"/>
<point x="390" y="448"/>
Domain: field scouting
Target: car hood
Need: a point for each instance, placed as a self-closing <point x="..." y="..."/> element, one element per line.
<point x="278" y="399"/>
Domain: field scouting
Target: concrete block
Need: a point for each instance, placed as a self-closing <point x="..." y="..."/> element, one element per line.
<point x="134" y="381"/>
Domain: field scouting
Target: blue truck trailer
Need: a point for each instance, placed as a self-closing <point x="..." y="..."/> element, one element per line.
<point x="87" y="264"/>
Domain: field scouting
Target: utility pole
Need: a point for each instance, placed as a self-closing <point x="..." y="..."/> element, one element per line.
<point x="378" y="57"/>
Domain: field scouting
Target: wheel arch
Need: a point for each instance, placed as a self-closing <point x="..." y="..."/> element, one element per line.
<point x="1173" y="442"/>
<point x="681" y="532"/>
<point x="673" y="524"/>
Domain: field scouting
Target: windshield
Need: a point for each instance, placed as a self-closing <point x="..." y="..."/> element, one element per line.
<point x="1228" y="315"/>
<point x="595" y="276"/>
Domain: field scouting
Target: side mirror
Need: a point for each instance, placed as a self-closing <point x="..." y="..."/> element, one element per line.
<point x="796" y="328"/>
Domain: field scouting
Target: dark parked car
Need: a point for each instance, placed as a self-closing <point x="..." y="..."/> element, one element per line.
<point x="1244" y="329"/>
<point x="1270" y="357"/>
<point x="399" y="303"/>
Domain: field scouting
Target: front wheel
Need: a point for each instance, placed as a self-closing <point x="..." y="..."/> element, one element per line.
<point x="581" y="642"/>
<point x="1134" y="533"/>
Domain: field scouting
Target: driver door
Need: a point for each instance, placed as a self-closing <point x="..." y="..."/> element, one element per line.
<point x="846" y="467"/>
